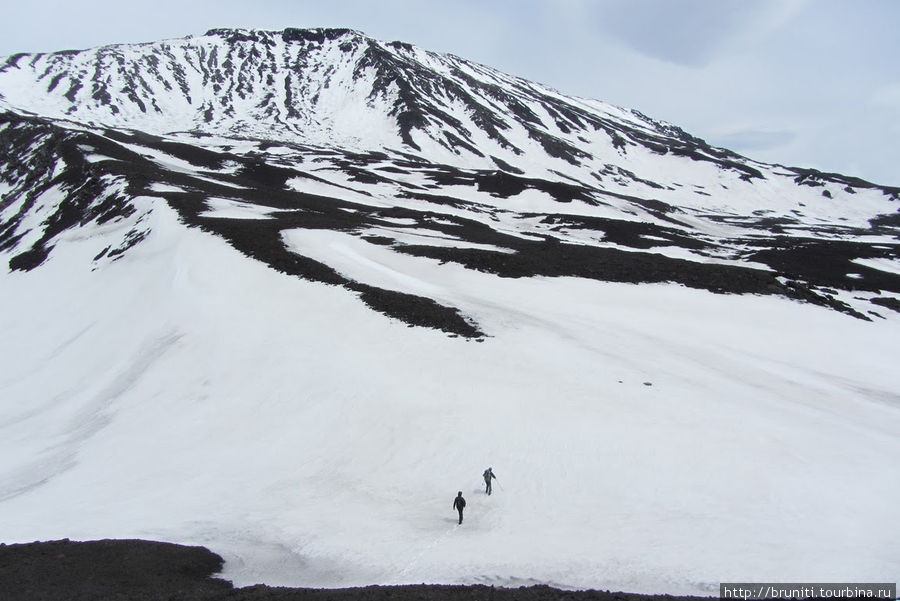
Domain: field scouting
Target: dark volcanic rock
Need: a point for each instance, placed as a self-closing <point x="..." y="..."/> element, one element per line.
<point x="135" y="570"/>
<point x="109" y="569"/>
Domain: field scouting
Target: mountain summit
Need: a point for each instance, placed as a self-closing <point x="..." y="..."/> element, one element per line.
<point x="244" y="278"/>
<point x="334" y="87"/>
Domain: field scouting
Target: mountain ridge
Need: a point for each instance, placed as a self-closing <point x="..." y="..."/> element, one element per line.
<point x="391" y="64"/>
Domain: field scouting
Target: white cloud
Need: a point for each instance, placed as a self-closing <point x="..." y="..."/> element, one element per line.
<point x="690" y="32"/>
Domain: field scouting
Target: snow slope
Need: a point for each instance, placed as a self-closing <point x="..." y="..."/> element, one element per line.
<point x="189" y="394"/>
<point x="290" y="327"/>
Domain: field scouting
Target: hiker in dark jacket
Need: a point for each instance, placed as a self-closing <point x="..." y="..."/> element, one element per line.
<point x="488" y="474"/>
<point x="458" y="504"/>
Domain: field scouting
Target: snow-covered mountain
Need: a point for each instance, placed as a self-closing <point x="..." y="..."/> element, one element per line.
<point x="215" y="247"/>
<point x="562" y="184"/>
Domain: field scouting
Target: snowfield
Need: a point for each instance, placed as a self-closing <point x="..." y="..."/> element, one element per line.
<point x="647" y="438"/>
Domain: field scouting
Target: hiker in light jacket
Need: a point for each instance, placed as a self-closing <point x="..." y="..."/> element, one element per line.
<point x="488" y="475"/>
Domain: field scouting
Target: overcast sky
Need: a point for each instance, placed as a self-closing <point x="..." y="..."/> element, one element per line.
<point x="812" y="83"/>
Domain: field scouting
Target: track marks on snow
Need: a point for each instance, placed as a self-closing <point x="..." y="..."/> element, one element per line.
<point x="94" y="410"/>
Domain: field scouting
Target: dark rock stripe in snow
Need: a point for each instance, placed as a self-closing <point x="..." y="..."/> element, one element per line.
<point x="40" y="156"/>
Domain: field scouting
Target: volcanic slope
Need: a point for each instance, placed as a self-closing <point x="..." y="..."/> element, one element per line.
<point x="246" y="276"/>
<point x="434" y="156"/>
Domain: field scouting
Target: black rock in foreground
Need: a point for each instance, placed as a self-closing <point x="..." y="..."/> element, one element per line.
<point x="136" y="570"/>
